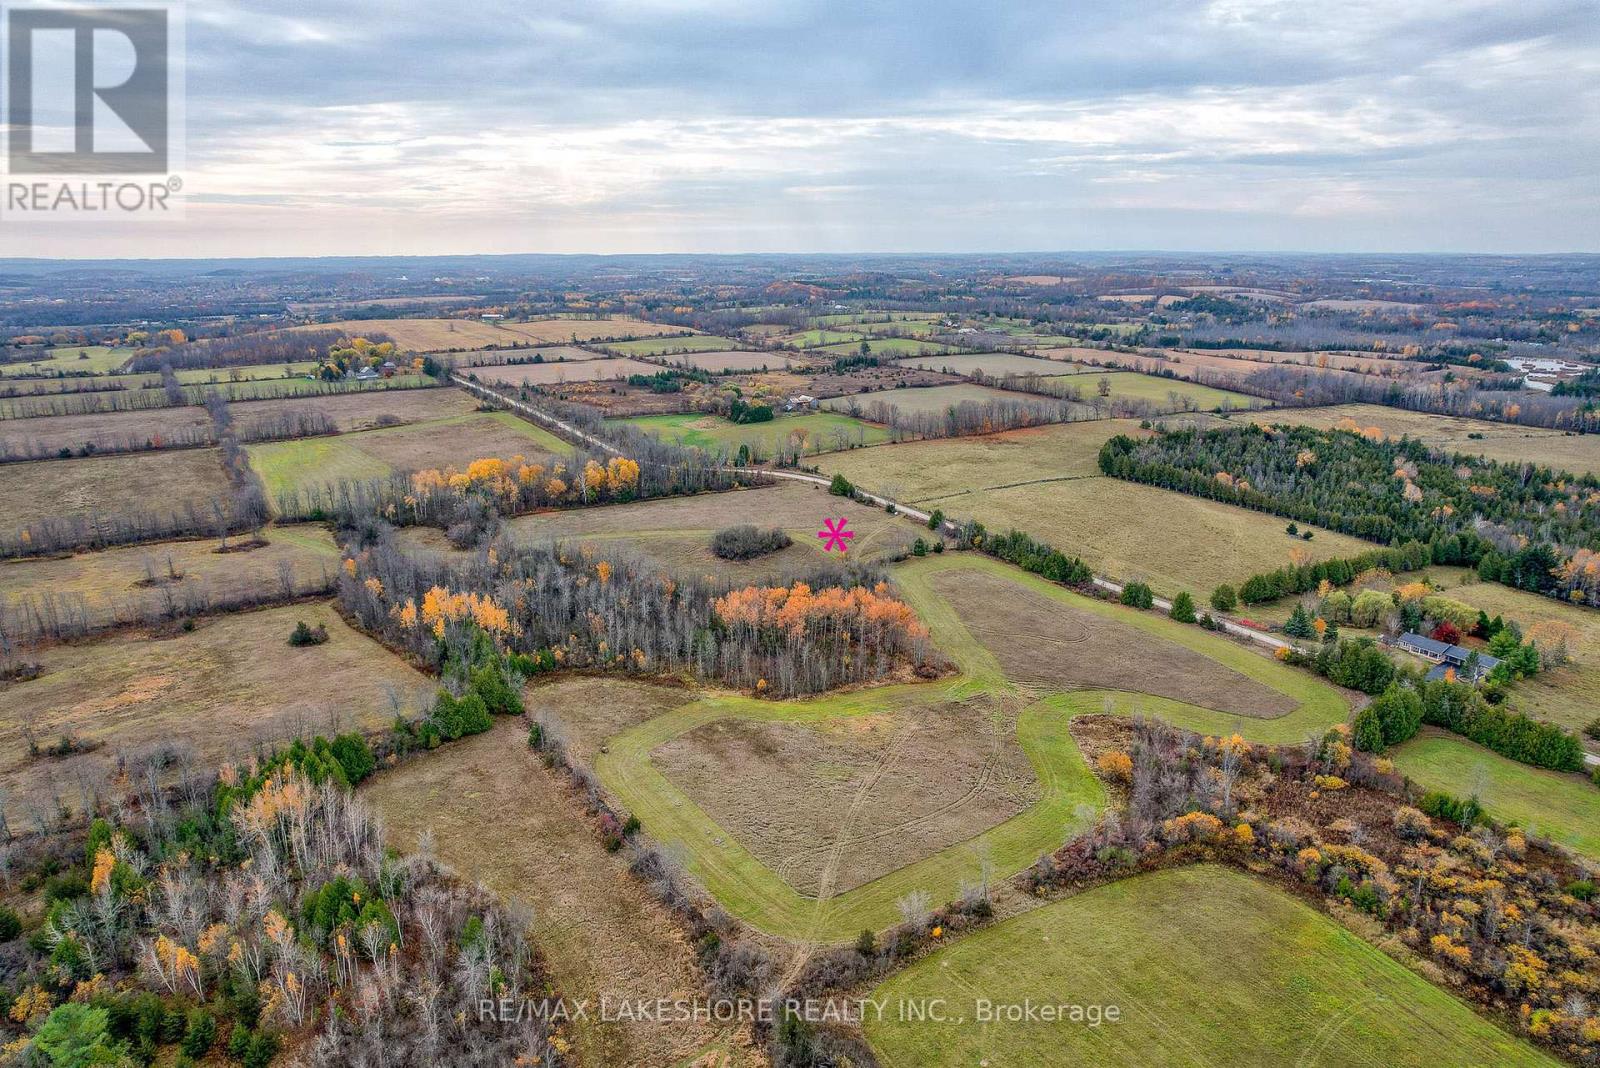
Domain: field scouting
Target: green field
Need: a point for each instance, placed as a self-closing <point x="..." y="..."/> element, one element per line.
<point x="1205" y="966"/>
<point x="1070" y="794"/>
<point x="932" y="398"/>
<point x="65" y="360"/>
<point x="810" y="339"/>
<point x="1166" y="393"/>
<point x="824" y="431"/>
<point x="659" y="346"/>
<point x="285" y="466"/>
<point x="889" y="346"/>
<point x="1563" y="808"/>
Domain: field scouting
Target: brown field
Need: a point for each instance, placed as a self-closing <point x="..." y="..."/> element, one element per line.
<point x="549" y="354"/>
<point x="362" y="411"/>
<point x="136" y="582"/>
<point x="440" y="335"/>
<point x="109" y="431"/>
<point x="737" y="360"/>
<point x="1363" y="305"/>
<point x="908" y="783"/>
<point x="1343" y="361"/>
<point x="231" y="684"/>
<point x="584" y="711"/>
<point x="549" y="374"/>
<point x="162" y="482"/>
<point x="990" y="363"/>
<point x="499" y="816"/>
<point x="1578" y="453"/>
<point x="1052" y="646"/>
<point x="675" y="532"/>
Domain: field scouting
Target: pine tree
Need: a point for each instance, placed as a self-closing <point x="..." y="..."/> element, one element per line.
<point x="1300" y="624"/>
<point x="1183" y="607"/>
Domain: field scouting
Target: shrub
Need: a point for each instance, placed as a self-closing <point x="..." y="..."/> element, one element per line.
<point x="1367" y="732"/>
<point x="1410" y="823"/>
<point x="841" y="487"/>
<point x="201" y="1033"/>
<point x="746" y="542"/>
<point x="303" y="635"/>
<point x="1582" y="889"/>
<point x="10" y="924"/>
<point x="1183" y="607"/>
<point x="866" y="943"/>
<point x="1224" y="599"/>
<point x="355" y="756"/>
<point x="1116" y="765"/>
<point x="1137" y="595"/>
<point x="1441" y="805"/>
<point x="1593" y="729"/>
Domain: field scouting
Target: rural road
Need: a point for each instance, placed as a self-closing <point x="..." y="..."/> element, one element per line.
<point x="545" y="419"/>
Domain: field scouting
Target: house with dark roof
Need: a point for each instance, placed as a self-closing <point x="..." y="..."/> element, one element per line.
<point x="1468" y="664"/>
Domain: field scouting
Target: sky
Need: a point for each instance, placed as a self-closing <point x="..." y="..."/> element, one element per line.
<point x="610" y="126"/>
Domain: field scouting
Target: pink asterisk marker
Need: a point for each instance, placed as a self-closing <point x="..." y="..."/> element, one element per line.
<point x="834" y="535"/>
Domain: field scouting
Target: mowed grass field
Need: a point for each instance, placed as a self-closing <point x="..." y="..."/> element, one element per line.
<point x="119" y="585"/>
<point x="820" y="432"/>
<point x="193" y="376"/>
<point x="1205" y="965"/>
<point x="439" y="335"/>
<point x="547" y="374"/>
<point x="1563" y="808"/>
<point x="69" y="360"/>
<point x="662" y="346"/>
<point x="162" y="483"/>
<point x="728" y="864"/>
<point x="500" y="817"/>
<point x="1167" y="394"/>
<point x="288" y="466"/>
<point x="1507" y="443"/>
<point x="232" y="682"/>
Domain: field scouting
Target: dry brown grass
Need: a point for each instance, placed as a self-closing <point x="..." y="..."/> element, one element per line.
<point x="583" y="711"/>
<point x="938" y="472"/>
<point x="548" y="374"/>
<point x="52" y="433"/>
<point x="903" y="785"/>
<point x="440" y="335"/>
<point x="499" y="816"/>
<point x="161" y="482"/>
<point x="218" y="691"/>
<point x="675" y="533"/>
<point x="363" y="411"/>
<point x="1052" y="646"/>
<point x="739" y="360"/>
<point x="131" y="583"/>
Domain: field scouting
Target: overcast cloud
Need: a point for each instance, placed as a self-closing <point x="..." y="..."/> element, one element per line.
<point x="392" y="126"/>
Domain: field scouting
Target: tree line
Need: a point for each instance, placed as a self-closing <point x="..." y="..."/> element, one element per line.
<point x="1521" y="524"/>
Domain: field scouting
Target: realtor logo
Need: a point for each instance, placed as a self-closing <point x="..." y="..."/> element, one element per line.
<point x="93" y="98"/>
<point x="87" y="90"/>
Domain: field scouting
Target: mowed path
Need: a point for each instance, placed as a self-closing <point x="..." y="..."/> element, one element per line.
<point x="1070" y="796"/>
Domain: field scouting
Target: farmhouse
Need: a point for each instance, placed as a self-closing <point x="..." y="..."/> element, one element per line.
<point x="1448" y="657"/>
<point x="802" y="402"/>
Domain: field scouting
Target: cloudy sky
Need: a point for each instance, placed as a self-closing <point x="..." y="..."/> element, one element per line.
<point x="415" y="126"/>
